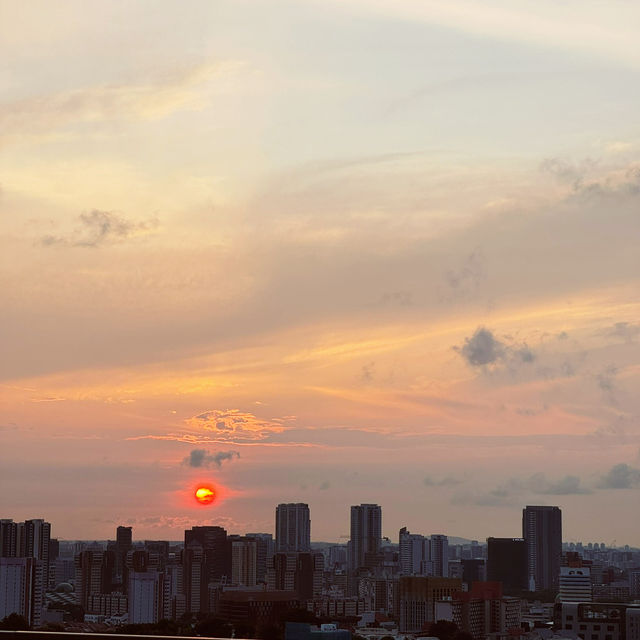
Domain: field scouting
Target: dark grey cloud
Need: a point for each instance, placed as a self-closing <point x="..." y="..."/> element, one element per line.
<point x="97" y="228"/>
<point x="483" y="349"/>
<point x="625" y="330"/>
<point x="568" y="171"/>
<point x="514" y="489"/>
<point x="620" y="476"/>
<point x="368" y="372"/>
<point x="202" y="458"/>
<point x="606" y="381"/>
<point x="466" y="278"/>
<point x="447" y="481"/>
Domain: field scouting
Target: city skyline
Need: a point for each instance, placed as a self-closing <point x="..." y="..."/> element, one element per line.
<point x="333" y="253"/>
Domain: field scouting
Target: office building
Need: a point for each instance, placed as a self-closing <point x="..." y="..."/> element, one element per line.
<point x="542" y="531"/>
<point x="575" y="584"/>
<point x="366" y="536"/>
<point x="482" y="612"/>
<point x="473" y="570"/>
<point x="599" y="621"/>
<point x="265" y="548"/>
<point x="439" y="555"/>
<point x="415" y="554"/>
<point x="244" y="553"/>
<point x="417" y="600"/>
<point x="300" y="572"/>
<point x="507" y="563"/>
<point x="293" y="527"/>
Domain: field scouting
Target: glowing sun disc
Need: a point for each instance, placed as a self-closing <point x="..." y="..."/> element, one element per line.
<point x="205" y="495"/>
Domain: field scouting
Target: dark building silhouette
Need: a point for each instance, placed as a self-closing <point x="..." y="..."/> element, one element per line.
<point x="293" y="527"/>
<point x="206" y="560"/>
<point x="299" y="572"/>
<point x="366" y="536"/>
<point x="473" y="570"/>
<point x="542" y="531"/>
<point x="507" y="563"/>
<point x="93" y="575"/>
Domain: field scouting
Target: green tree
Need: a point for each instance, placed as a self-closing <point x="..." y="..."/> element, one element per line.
<point x="213" y="627"/>
<point x="443" y="629"/>
<point x="14" y="622"/>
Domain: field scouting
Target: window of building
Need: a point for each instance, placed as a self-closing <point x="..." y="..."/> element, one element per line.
<point x="569" y="617"/>
<point x="609" y="627"/>
<point x="595" y="636"/>
<point x="583" y="627"/>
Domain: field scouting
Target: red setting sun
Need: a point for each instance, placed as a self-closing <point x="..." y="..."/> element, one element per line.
<point x="205" y="495"/>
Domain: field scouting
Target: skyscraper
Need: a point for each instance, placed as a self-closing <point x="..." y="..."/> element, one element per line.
<point x="440" y="555"/>
<point x="293" y="527"/>
<point x="206" y="560"/>
<point x="415" y="554"/>
<point x="507" y="563"/>
<point x="366" y="536"/>
<point x="20" y="588"/>
<point x="542" y="531"/>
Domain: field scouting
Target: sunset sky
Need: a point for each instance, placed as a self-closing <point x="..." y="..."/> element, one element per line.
<point x="332" y="252"/>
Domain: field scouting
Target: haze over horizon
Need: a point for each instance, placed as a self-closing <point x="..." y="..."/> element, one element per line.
<point x="324" y="252"/>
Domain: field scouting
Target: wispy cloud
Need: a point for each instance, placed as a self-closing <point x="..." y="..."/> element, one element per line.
<point x="235" y="425"/>
<point x="512" y="491"/>
<point x="145" y="100"/>
<point x="97" y="228"/>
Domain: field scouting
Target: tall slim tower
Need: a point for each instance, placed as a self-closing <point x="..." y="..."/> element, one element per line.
<point x="293" y="527"/>
<point x="440" y="555"/>
<point x="542" y="530"/>
<point x="366" y="535"/>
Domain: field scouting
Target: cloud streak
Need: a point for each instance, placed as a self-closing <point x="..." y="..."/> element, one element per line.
<point x="97" y="228"/>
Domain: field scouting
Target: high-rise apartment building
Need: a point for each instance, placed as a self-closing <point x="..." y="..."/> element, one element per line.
<point x="507" y="563"/>
<point x="94" y="570"/>
<point x="439" y="554"/>
<point x="297" y="571"/>
<point x="366" y="536"/>
<point x="21" y="589"/>
<point x="265" y="548"/>
<point x="415" y="554"/>
<point x="145" y="597"/>
<point x="293" y="527"/>
<point x="542" y="531"/>
<point x="8" y="538"/>
<point x="206" y="560"/>
<point x="244" y="555"/>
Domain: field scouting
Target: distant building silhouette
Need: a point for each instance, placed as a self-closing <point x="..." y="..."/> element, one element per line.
<point x="542" y="530"/>
<point x="293" y="527"/>
<point x="507" y="563"/>
<point x="366" y="536"/>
